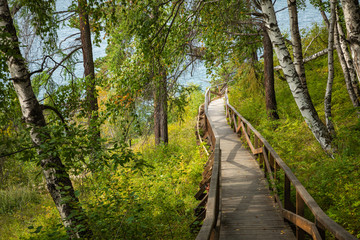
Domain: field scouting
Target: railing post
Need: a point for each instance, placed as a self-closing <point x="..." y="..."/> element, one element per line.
<point x="271" y="162"/>
<point x="300" y="234"/>
<point x="287" y="194"/>
<point x="262" y="161"/>
<point x="235" y="125"/>
<point x="321" y="230"/>
<point x="266" y="153"/>
<point x="256" y="144"/>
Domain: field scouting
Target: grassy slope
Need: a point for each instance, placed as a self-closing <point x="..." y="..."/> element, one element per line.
<point x="153" y="203"/>
<point x="334" y="183"/>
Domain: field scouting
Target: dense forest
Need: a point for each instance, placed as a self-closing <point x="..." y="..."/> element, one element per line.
<point x="113" y="154"/>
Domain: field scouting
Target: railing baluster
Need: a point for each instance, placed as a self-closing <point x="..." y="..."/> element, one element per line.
<point x="256" y="145"/>
<point x="287" y="194"/>
<point x="321" y="230"/>
<point x="300" y="234"/>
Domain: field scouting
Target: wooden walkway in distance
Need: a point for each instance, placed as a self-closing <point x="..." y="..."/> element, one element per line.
<point x="248" y="211"/>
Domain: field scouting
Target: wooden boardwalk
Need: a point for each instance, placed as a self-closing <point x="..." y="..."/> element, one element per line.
<point x="248" y="211"/>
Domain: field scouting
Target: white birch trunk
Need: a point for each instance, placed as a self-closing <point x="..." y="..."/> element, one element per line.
<point x="351" y="11"/>
<point x="296" y="42"/>
<point x="300" y="95"/>
<point x="348" y="59"/>
<point x="347" y="76"/>
<point x="57" y="180"/>
<point x="328" y="93"/>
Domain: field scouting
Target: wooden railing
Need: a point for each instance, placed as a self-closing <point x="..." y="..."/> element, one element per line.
<point x="208" y="210"/>
<point x="276" y="171"/>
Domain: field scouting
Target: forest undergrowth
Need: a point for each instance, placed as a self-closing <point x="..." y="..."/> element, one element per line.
<point x="333" y="182"/>
<point x="150" y="200"/>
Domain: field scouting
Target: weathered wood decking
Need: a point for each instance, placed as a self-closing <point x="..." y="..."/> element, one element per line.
<point x="247" y="209"/>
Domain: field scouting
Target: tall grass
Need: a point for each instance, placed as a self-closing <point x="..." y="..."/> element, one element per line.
<point x="17" y="198"/>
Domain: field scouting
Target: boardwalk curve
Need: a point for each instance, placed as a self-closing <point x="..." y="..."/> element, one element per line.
<point x="247" y="208"/>
<point x="235" y="202"/>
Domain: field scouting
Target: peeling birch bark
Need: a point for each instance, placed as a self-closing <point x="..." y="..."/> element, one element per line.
<point x="300" y="95"/>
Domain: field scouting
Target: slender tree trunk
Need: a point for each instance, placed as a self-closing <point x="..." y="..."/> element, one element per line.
<point x="345" y="60"/>
<point x="300" y="95"/>
<point x="348" y="59"/>
<point x="351" y="11"/>
<point x="347" y="75"/>
<point x="161" y="108"/>
<point x="164" y="136"/>
<point x="270" y="99"/>
<point x="157" y="124"/>
<point x="296" y="42"/>
<point x="57" y="180"/>
<point x="328" y="93"/>
<point x="89" y="69"/>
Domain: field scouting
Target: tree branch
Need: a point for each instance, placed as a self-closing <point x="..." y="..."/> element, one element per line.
<point x="18" y="151"/>
<point x="308" y="59"/>
<point x="44" y="107"/>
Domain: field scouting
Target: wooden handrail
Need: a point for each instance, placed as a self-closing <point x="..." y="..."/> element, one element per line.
<point x="293" y="214"/>
<point x="208" y="229"/>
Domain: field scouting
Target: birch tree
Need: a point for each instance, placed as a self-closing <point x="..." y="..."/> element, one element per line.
<point x="300" y="95"/>
<point x="351" y="11"/>
<point x="57" y="180"/>
<point x="345" y="59"/>
<point x="328" y="93"/>
<point x="296" y="42"/>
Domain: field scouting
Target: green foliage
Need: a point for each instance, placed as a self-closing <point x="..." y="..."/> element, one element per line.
<point x="155" y="201"/>
<point x="332" y="182"/>
<point x="147" y="197"/>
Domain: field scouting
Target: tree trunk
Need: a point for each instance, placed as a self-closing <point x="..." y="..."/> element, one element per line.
<point x="351" y="11"/>
<point x="328" y="93"/>
<point x="344" y="59"/>
<point x="348" y="59"/>
<point x="89" y="69"/>
<point x="296" y="42"/>
<point x="57" y="180"/>
<point x="164" y="136"/>
<point x="300" y="95"/>
<point x="346" y="70"/>
<point x="157" y="104"/>
<point x="161" y="108"/>
<point x="270" y="99"/>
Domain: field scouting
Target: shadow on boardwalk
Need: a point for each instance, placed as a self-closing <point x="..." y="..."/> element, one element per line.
<point x="248" y="211"/>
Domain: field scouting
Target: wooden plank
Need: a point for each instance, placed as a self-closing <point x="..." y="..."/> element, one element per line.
<point x="320" y="216"/>
<point x="305" y="224"/>
<point x="247" y="208"/>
